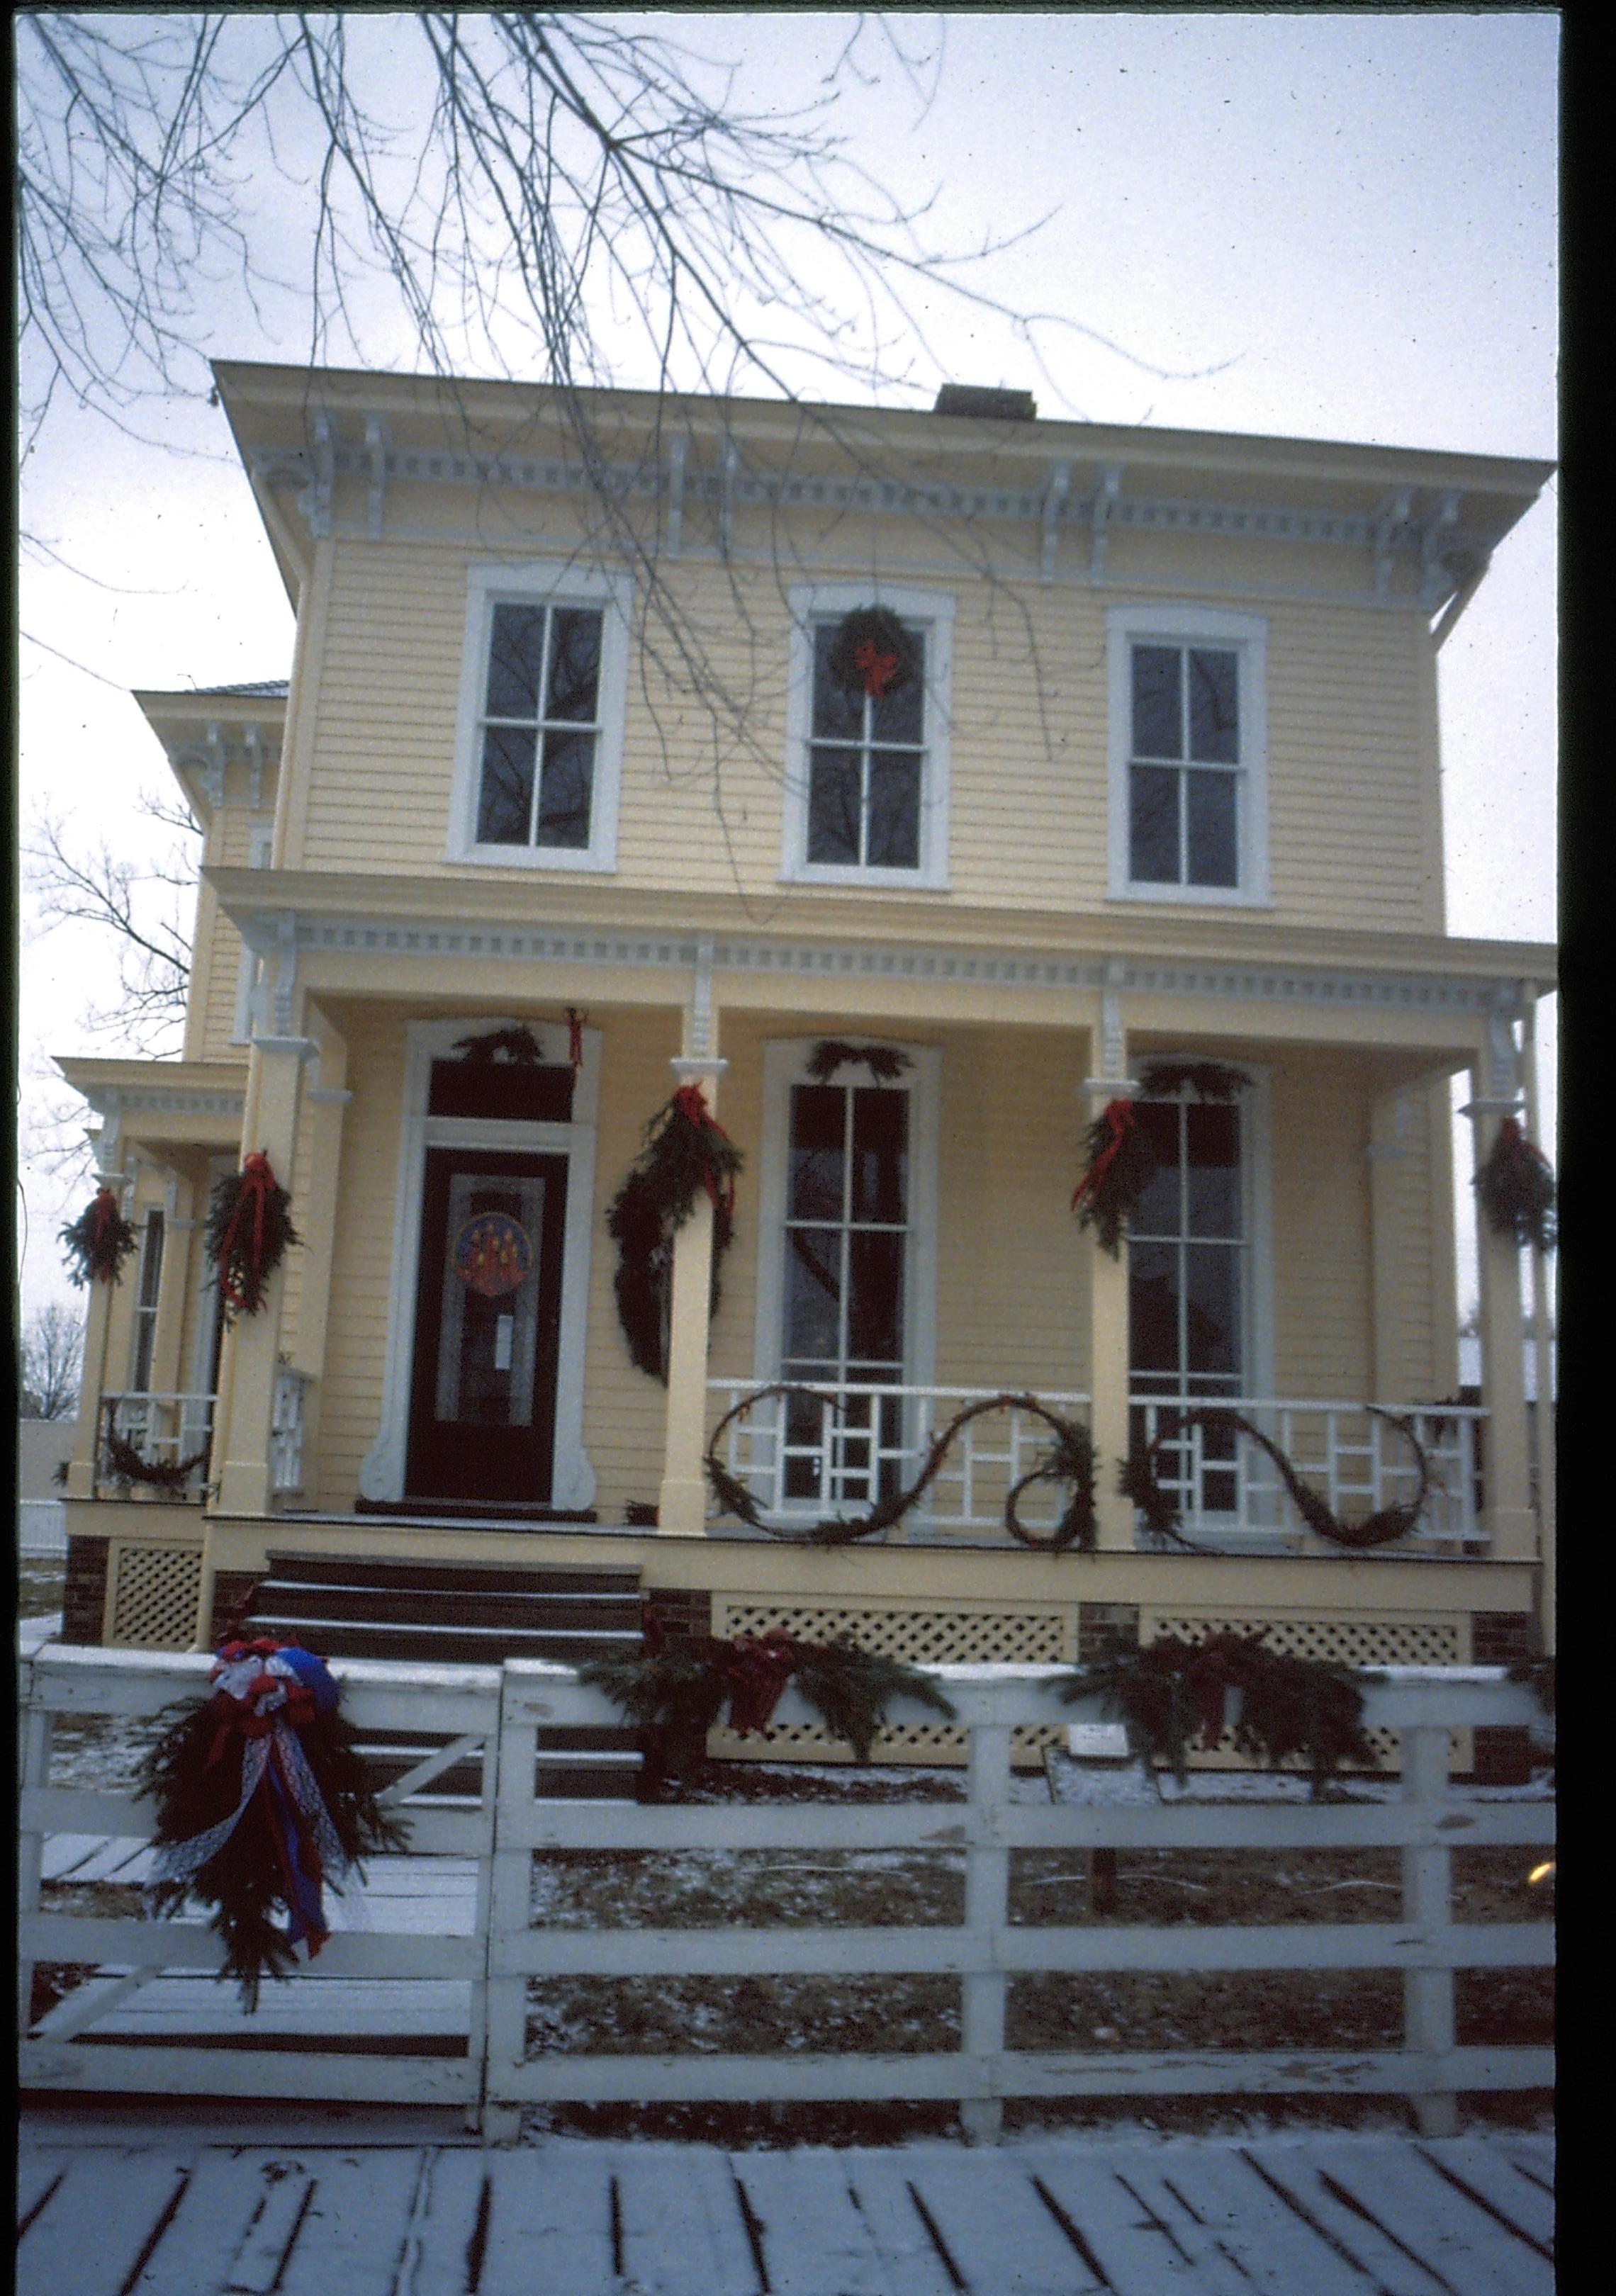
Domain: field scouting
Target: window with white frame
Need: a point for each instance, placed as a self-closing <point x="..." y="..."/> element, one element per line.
<point x="145" y="1303"/>
<point x="541" y="719"/>
<point x="1188" y="782"/>
<point x="868" y="775"/>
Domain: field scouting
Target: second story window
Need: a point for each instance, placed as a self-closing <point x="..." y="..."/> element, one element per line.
<point x="541" y="719"/>
<point x="866" y="785"/>
<point x="1188" y="798"/>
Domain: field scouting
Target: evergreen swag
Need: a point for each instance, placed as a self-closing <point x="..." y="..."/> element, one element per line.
<point x="1138" y="1482"/>
<point x="676" y="1691"/>
<point x="98" y="1242"/>
<point x="1120" y="1168"/>
<point x="194" y="1774"/>
<point x="1069" y="1460"/>
<point x="1207" y="1079"/>
<point x="685" y="1152"/>
<point x="1279" y="1708"/>
<point x="125" y="1464"/>
<point x="248" y="1233"/>
<point x="873" y="654"/>
<point x="1516" y="1186"/>
<point x="885" y="1062"/>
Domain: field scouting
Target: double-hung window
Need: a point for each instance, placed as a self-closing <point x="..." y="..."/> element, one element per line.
<point x="1188" y="794"/>
<point x="541" y="717"/>
<point x="867" y="777"/>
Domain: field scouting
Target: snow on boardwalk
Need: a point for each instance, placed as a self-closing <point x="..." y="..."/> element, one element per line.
<point x="1309" y="2215"/>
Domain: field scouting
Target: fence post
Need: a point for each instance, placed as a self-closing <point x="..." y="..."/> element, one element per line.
<point x="510" y="1914"/>
<point x="987" y="1878"/>
<point x="1428" y="1994"/>
<point x="482" y="1920"/>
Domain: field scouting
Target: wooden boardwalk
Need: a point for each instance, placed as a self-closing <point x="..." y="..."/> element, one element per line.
<point x="174" y="2214"/>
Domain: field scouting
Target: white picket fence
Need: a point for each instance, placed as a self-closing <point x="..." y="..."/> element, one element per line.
<point x="491" y="1839"/>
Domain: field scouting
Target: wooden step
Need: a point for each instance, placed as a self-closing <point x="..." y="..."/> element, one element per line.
<point x="453" y="1578"/>
<point x="427" y="1643"/>
<point x="296" y="1598"/>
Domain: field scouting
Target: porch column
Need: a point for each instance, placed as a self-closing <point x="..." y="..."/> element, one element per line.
<point x="1511" y="1524"/>
<point x="173" y="1286"/>
<point x="682" y="1497"/>
<point x="1108" y="1334"/>
<point x="327" y="1097"/>
<point x="97" y="1327"/>
<point x="251" y="1352"/>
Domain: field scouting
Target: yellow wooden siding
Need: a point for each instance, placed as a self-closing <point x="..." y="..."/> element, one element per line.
<point x="1352" y="821"/>
<point x="217" y="947"/>
<point x="1322" y="1264"/>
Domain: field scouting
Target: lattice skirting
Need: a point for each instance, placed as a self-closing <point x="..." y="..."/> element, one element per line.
<point x="151" y="1596"/>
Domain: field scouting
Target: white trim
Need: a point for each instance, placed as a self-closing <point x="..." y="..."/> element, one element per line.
<point x="381" y="1472"/>
<point x="932" y="611"/>
<point x="785" y="1063"/>
<point x="260" y="851"/>
<point x="548" y="582"/>
<point x="1179" y="623"/>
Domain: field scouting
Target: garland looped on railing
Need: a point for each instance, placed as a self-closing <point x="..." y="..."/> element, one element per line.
<point x="676" y="1691"/>
<point x="98" y="1242"/>
<point x="1138" y="1482"/>
<point x="686" y="1152"/>
<point x="1278" y="1707"/>
<point x="1070" y="1460"/>
<point x="125" y="1464"/>
<point x="248" y="1233"/>
<point x="1516" y="1186"/>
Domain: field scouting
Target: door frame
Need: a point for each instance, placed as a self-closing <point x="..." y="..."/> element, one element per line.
<point x="382" y="1473"/>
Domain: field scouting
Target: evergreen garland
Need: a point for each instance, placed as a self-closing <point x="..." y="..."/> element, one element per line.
<point x="676" y="1691"/>
<point x="1121" y="1165"/>
<point x="1280" y="1708"/>
<point x="519" y="1045"/>
<point x="685" y="1152"/>
<point x="248" y="1233"/>
<point x="1138" y="1481"/>
<point x="885" y="1062"/>
<point x="194" y="1774"/>
<point x="1516" y="1186"/>
<point x="98" y="1242"/>
<point x="1070" y="1459"/>
<point x="125" y="1464"/>
<point x="873" y="654"/>
<point x="1207" y="1079"/>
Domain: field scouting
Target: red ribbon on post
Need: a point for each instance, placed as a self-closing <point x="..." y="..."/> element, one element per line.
<point x="1119" y="1115"/>
<point x="257" y="1185"/>
<point x="106" y="1214"/>
<point x="691" y="1102"/>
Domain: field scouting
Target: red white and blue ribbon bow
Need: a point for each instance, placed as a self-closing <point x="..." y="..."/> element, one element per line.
<point x="264" y="1692"/>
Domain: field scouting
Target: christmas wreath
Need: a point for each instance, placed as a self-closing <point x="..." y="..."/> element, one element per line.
<point x="676" y="1691"/>
<point x="1121" y="1167"/>
<point x="1138" y="1482"/>
<point x="1069" y="1460"/>
<point x="98" y="1242"/>
<point x="873" y="654"/>
<point x="248" y="1232"/>
<point x="685" y="1153"/>
<point x="1279" y="1708"/>
<point x="1516" y="1186"/>
<point x="885" y="1062"/>
<point x="261" y="1800"/>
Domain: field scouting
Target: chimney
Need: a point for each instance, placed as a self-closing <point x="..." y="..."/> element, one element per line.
<point x="985" y="404"/>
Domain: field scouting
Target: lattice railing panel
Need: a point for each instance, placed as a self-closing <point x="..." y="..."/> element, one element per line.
<point x="954" y="1637"/>
<point x="155" y="1591"/>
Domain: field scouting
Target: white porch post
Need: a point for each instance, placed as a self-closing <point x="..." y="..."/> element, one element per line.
<point x="682" y="1497"/>
<point x="1511" y="1523"/>
<point x="1543" y="1352"/>
<point x="1108" y="1333"/>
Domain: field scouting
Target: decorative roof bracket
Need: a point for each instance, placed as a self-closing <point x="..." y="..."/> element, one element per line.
<point x="1436" y="581"/>
<point x="1394" y="517"/>
<point x="1055" y="503"/>
<point x="677" y="451"/>
<point x="729" y="467"/>
<point x="375" y="447"/>
<point x="1100" y="511"/>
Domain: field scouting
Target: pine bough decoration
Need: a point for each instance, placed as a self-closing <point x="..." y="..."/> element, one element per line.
<point x="1139" y="1481"/>
<point x="686" y="1153"/>
<point x="873" y="654"/>
<point x="1121" y="1167"/>
<point x="885" y="1062"/>
<point x="676" y="1691"/>
<point x="262" y="1798"/>
<point x="1207" y="1079"/>
<point x="125" y="1464"/>
<point x="1280" y="1708"/>
<point x="1516" y="1186"/>
<point x="249" y="1231"/>
<point x="1069" y="1460"/>
<point x="98" y="1242"/>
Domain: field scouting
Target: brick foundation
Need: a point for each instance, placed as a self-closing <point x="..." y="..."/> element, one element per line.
<point x="1501" y="1757"/>
<point x="680" y="1611"/>
<point x="231" y="1590"/>
<point x="85" y="1596"/>
<point x="1105" y="1628"/>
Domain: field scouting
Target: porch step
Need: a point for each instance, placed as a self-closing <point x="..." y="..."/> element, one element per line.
<point x="388" y="1571"/>
<point x="452" y="1644"/>
<point x="294" y="1598"/>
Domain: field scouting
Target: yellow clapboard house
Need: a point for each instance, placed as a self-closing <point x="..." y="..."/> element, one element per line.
<point x="571" y="799"/>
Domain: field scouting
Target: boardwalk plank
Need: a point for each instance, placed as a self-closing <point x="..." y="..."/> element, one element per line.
<point x="89" y="2236"/>
<point x="1278" y="2251"/>
<point x="1130" y="2246"/>
<point x="35" y="2173"/>
<point x="681" y="2224"/>
<point x="1298" y="2169"/>
<point x="550" y="2223"/>
<point x="1466" y="2249"/>
<point x="440" y="2245"/>
<point x="815" y="2241"/>
<point x="1000" y="2233"/>
<point x="1149" y="2177"/>
<point x="198" y="2248"/>
<point x="1488" y="2173"/>
<point x="879" y="2182"/>
<point x="351" y="2238"/>
<point x="286" y="2195"/>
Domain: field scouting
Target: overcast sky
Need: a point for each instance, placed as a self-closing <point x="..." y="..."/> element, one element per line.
<point x="1350" y="218"/>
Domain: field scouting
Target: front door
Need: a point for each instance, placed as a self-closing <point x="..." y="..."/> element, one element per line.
<point x="488" y="1327"/>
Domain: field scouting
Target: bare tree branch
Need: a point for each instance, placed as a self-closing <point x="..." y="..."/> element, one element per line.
<point x="50" y="1360"/>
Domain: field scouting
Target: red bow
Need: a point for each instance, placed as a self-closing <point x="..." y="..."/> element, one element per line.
<point x="1511" y="1138"/>
<point x="256" y="1186"/>
<point x="105" y="1208"/>
<point x="758" y="1673"/>
<point x="691" y="1104"/>
<point x="1120" y="1116"/>
<point x="877" y="669"/>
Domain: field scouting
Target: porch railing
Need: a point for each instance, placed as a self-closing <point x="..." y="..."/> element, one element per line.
<point x="1358" y="1460"/>
<point x="835" y="1449"/>
<point x="166" y="1430"/>
<point x="286" y="1429"/>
